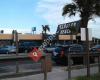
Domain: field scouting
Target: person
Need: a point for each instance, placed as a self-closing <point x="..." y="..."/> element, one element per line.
<point x="56" y="51"/>
<point x="58" y="56"/>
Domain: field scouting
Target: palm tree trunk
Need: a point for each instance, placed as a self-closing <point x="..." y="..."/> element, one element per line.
<point x="84" y="23"/>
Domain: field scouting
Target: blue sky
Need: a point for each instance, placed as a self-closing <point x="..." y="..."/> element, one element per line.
<point x="22" y="15"/>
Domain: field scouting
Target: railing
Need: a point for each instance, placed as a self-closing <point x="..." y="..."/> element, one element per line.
<point x="95" y="55"/>
<point x="12" y="65"/>
<point x="21" y="65"/>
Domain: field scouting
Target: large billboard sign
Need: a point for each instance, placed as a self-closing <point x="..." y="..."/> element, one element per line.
<point x="63" y="29"/>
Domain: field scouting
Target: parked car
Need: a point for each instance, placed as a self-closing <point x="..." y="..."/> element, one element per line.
<point x="61" y="58"/>
<point x="76" y="48"/>
<point x="95" y="49"/>
<point x="27" y="46"/>
<point x="7" y="49"/>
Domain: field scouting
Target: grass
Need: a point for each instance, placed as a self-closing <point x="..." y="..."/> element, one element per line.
<point x="92" y="77"/>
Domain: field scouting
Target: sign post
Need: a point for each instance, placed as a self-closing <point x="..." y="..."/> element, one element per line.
<point x="16" y="40"/>
<point x="45" y="67"/>
<point x="86" y="35"/>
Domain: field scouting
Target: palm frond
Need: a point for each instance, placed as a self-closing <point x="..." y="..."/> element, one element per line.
<point x="69" y="8"/>
<point x="47" y="27"/>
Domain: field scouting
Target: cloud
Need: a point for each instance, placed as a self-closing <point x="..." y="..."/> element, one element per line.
<point x="51" y="11"/>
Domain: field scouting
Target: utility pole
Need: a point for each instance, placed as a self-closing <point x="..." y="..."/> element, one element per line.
<point x="16" y="39"/>
<point x="87" y="51"/>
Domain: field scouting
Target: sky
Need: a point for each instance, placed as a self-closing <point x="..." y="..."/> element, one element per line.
<point x="22" y="15"/>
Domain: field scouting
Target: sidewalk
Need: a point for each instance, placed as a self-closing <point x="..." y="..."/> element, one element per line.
<point x="58" y="73"/>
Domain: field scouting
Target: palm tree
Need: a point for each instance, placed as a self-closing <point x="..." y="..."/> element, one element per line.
<point x="45" y="28"/>
<point x="86" y="9"/>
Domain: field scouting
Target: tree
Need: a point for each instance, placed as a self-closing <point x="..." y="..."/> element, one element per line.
<point x="86" y="9"/>
<point x="45" y="28"/>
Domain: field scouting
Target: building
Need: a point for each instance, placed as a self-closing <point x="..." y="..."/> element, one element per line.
<point x="8" y="38"/>
<point x="63" y="32"/>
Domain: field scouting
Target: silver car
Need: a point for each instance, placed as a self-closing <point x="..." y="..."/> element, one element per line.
<point x="7" y="49"/>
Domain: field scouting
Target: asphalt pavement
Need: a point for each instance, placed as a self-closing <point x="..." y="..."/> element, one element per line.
<point x="58" y="73"/>
<point x="9" y="66"/>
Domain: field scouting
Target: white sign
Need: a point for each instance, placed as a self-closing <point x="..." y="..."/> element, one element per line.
<point x="83" y="34"/>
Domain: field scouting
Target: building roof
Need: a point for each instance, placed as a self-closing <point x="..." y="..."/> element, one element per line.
<point x="32" y="37"/>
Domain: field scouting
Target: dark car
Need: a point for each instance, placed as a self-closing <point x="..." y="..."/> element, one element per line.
<point x="95" y="49"/>
<point x="27" y="46"/>
<point x="7" y="49"/>
<point x="49" y="49"/>
<point x="76" y="48"/>
<point x="61" y="58"/>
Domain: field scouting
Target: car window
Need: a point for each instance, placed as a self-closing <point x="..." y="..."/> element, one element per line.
<point x="76" y="48"/>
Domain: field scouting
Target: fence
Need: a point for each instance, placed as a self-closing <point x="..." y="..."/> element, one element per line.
<point x="12" y="65"/>
<point x="96" y="57"/>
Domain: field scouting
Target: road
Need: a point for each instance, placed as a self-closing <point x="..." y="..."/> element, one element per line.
<point x="9" y="66"/>
<point x="58" y="73"/>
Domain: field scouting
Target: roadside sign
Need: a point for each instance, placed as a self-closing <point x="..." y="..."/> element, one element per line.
<point x="83" y="34"/>
<point x="35" y="55"/>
